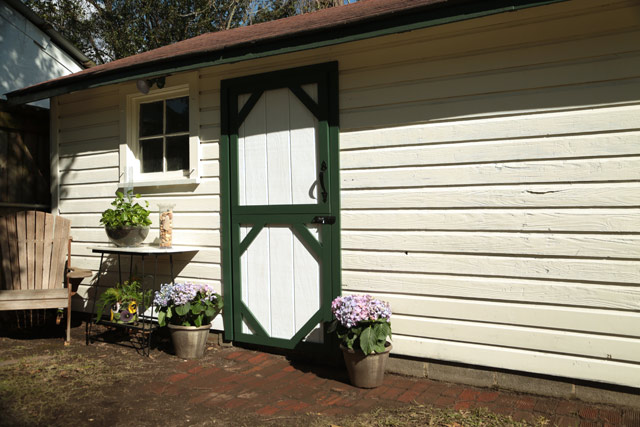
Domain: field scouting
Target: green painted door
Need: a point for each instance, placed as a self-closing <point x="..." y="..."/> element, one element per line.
<point x="280" y="205"/>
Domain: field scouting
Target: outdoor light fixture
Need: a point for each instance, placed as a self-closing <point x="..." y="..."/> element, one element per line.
<point x="145" y="85"/>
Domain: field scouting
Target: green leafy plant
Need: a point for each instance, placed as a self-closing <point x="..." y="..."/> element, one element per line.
<point x="362" y="322"/>
<point x="127" y="212"/>
<point x="124" y="300"/>
<point x="187" y="304"/>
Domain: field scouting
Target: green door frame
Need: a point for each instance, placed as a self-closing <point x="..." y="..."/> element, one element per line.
<point x="326" y="111"/>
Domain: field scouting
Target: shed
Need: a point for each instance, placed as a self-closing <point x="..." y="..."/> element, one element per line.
<point x="474" y="163"/>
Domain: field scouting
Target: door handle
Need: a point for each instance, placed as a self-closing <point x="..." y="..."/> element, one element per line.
<point x="323" y="168"/>
<point x="329" y="219"/>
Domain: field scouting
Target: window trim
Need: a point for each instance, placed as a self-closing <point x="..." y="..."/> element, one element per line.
<point x="130" y="100"/>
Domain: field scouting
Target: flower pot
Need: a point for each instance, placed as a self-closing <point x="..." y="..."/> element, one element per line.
<point x="366" y="371"/>
<point x="189" y="342"/>
<point x="127" y="236"/>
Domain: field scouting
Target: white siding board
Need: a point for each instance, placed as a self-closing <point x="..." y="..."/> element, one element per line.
<point x="516" y="196"/>
<point x="517" y="359"/>
<point x="565" y="147"/>
<point x="107" y="174"/>
<point x="537" y="124"/>
<point x="89" y="146"/>
<point x="549" y="317"/>
<point x="584" y="170"/>
<point x="189" y="204"/>
<point x="609" y="271"/>
<point x="102" y="130"/>
<point x="104" y="160"/>
<point x="516" y="290"/>
<point x="565" y="245"/>
<point x="602" y="347"/>
<point x="538" y="220"/>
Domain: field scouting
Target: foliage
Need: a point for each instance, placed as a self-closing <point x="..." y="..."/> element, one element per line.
<point x="106" y="30"/>
<point x="124" y="300"/>
<point x="362" y="322"/>
<point x="126" y="213"/>
<point x="187" y="304"/>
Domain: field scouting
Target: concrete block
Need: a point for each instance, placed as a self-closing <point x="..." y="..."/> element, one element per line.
<point x="413" y="368"/>
<point x="533" y="385"/>
<point x="629" y="397"/>
<point x="462" y="375"/>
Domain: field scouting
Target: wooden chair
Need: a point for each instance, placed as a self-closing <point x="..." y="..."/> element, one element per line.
<point x="33" y="260"/>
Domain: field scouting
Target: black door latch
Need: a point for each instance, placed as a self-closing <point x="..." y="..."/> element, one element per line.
<point x="329" y="219"/>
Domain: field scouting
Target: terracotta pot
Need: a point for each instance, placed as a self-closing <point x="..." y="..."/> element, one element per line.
<point x="127" y="236"/>
<point x="189" y="342"/>
<point x="366" y="371"/>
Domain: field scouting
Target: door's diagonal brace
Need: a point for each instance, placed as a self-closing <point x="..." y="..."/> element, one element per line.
<point x="250" y="237"/>
<point x="248" y="106"/>
<point x="245" y="313"/>
<point x="308" y="238"/>
<point x="306" y="100"/>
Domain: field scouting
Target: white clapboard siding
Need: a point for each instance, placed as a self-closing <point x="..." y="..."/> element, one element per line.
<point x="562" y="294"/>
<point x="500" y="104"/>
<point x="209" y="186"/>
<point x="102" y="130"/>
<point x="539" y="124"/>
<point x="107" y="174"/>
<point x="544" y="316"/>
<point x="88" y="104"/>
<point x="95" y="145"/>
<point x="568" y="245"/>
<point x="520" y="360"/>
<point x="584" y="170"/>
<point x="565" y="147"/>
<point x="565" y="342"/>
<point x="516" y="196"/>
<point x="612" y="271"/>
<point x="210" y="133"/>
<point x="592" y="220"/>
<point x="94" y="161"/>
<point x="210" y="151"/>
<point x="89" y="118"/>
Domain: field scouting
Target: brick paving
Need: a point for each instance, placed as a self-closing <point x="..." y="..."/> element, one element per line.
<point x="271" y="385"/>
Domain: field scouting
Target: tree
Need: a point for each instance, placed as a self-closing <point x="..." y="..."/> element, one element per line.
<point x="106" y="30"/>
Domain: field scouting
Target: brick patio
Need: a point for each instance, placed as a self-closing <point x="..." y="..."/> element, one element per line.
<point x="271" y="385"/>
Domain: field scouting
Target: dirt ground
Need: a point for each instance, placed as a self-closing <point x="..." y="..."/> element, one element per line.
<point x="44" y="382"/>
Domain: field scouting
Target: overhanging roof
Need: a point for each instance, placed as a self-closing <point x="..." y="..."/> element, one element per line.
<point x="356" y="21"/>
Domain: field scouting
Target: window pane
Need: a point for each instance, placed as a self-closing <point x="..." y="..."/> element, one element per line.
<point x="151" y="154"/>
<point x="151" y="118"/>
<point x="177" y="152"/>
<point x="178" y="115"/>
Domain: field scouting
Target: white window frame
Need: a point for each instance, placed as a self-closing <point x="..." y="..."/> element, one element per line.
<point x="130" y="165"/>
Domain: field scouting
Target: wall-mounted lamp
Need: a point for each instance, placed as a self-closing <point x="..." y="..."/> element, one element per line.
<point x="145" y="85"/>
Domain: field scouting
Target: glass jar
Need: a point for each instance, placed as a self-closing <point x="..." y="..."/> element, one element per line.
<point x="166" y="224"/>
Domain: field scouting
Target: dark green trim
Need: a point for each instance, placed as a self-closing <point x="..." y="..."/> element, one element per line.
<point x="225" y="223"/>
<point x="306" y="237"/>
<point x="249" y="238"/>
<point x="306" y="100"/>
<point x="410" y="20"/>
<point x="252" y="322"/>
<point x="248" y="106"/>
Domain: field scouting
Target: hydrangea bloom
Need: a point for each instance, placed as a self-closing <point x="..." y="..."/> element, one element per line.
<point x="352" y="309"/>
<point x="173" y="294"/>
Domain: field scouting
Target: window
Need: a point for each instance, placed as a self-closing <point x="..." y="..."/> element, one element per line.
<point x="160" y="131"/>
<point x="163" y="135"/>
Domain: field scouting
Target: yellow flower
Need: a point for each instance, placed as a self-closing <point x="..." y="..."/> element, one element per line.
<point x="133" y="307"/>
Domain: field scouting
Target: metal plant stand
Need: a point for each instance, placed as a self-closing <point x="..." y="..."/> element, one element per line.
<point x="145" y="324"/>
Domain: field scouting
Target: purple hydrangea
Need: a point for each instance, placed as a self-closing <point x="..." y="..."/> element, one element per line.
<point x="352" y="309"/>
<point x="173" y="294"/>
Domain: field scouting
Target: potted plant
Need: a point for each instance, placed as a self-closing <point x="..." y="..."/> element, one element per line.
<point x="363" y="324"/>
<point x="128" y="223"/>
<point x="188" y="310"/>
<point x="125" y="301"/>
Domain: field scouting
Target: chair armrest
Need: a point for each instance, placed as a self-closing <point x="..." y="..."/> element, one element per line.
<point x="78" y="273"/>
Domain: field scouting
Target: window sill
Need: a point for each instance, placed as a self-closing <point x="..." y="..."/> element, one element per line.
<point x="160" y="183"/>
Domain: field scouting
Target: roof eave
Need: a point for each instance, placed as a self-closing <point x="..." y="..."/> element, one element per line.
<point x="382" y="26"/>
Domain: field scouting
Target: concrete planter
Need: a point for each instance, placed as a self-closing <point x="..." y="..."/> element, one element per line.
<point x="189" y="342"/>
<point x="366" y="371"/>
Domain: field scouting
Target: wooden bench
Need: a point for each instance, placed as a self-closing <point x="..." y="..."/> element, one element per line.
<point x="33" y="246"/>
